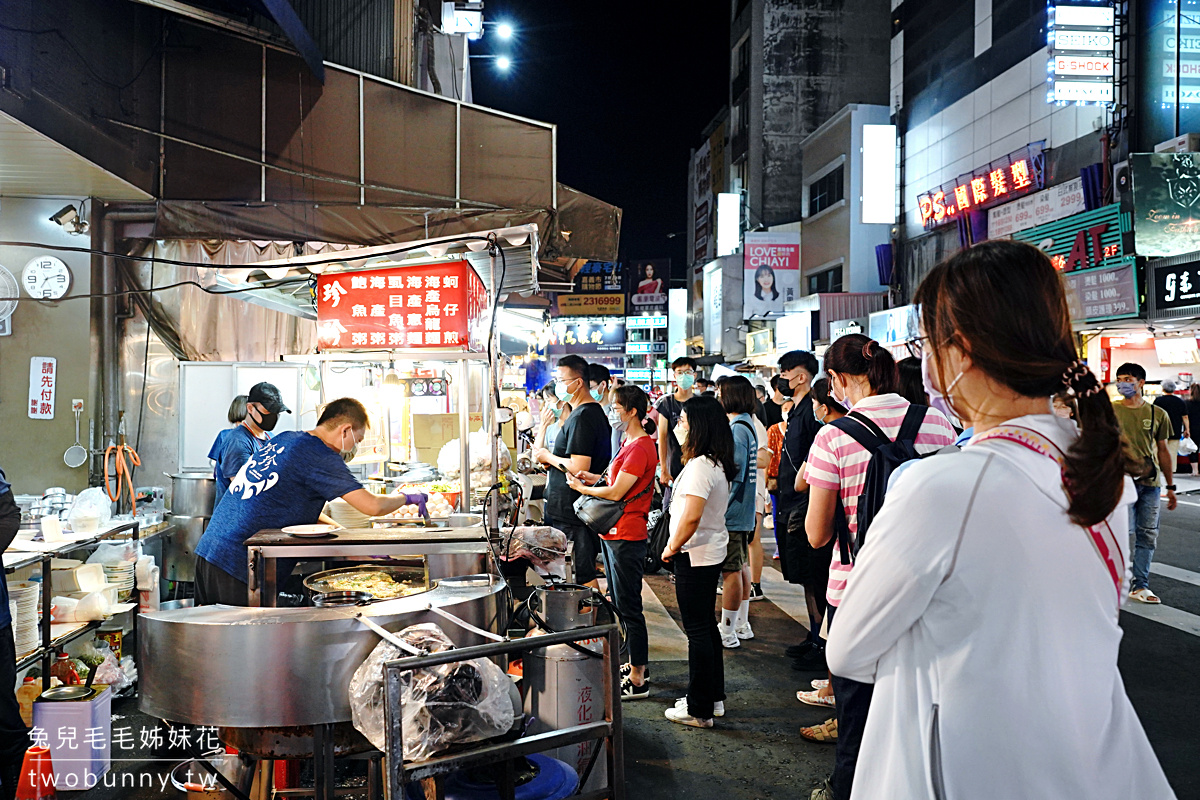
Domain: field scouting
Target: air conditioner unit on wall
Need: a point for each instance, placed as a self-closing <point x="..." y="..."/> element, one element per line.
<point x="1122" y="182"/>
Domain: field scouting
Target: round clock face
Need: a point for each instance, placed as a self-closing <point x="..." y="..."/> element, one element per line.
<point x="46" y="278"/>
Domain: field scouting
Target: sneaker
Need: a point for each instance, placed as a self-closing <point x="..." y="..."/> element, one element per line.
<point x="756" y="592"/>
<point x="684" y="718"/>
<point x="718" y="707"/>
<point x="729" y="638"/>
<point x="812" y="661"/>
<point x="798" y="650"/>
<point x="1144" y="595"/>
<point x="822" y="792"/>
<point x="744" y="631"/>
<point x="627" y="669"/>
<point x="631" y="691"/>
<point x="821" y="683"/>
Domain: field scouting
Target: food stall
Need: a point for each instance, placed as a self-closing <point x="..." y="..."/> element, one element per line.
<point x="409" y="332"/>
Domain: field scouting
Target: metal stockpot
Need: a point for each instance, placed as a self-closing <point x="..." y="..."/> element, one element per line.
<point x="179" y="549"/>
<point x="193" y="494"/>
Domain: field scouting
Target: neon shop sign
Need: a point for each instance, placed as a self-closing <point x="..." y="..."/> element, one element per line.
<point x="1017" y="174"/>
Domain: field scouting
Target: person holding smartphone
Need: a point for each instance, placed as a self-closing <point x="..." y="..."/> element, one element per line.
<point x="583" y="445"/>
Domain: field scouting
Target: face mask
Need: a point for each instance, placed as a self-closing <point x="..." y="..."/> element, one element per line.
<point x="269" y="421"/>
<point x="557" y="412"/>
<point x="614" y="420"/>
<point x="597" y="394"/>
<point x="936" y="399"/>
<point x="685" y="381"/>
<point x="681" y="433"/>
<point x="561" y="391"/>
<point x="820" y="417"/>
<point x="841" y="400"/>
<point x="348" y="455"/>
<point x="1127" y="388"/>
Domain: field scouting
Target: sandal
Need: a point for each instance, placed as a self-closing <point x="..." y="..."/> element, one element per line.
<point x="825" y="733"/>
<point x="814" y="698"/>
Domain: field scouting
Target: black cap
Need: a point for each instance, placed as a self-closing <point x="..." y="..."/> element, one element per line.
<point x="269" y="396"/>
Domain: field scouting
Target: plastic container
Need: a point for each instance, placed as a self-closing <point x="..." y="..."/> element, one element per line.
<point x="64" y="670"/>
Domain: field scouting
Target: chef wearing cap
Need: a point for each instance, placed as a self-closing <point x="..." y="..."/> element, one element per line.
<point x="264" y="404"/>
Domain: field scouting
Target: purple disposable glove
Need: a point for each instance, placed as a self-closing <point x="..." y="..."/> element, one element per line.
<point x="418" y="499"/>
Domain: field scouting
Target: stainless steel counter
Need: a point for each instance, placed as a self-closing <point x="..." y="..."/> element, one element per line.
<point x="448" y="552"/>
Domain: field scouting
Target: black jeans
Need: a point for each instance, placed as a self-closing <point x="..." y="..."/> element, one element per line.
<point x="587" y="547"/>
<point x="14" y="736"/>
<point x="853" y="704"/>
<point x="214" y="585"/>
<point x="696" y="591"/>
<point x="625" y="563"/>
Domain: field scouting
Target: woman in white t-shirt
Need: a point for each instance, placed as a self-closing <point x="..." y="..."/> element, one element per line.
<point x="696" y="551"/>
<point x="983" y="607"/>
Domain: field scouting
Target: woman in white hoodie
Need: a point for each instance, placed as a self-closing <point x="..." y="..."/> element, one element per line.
<point x="985" y="606"/>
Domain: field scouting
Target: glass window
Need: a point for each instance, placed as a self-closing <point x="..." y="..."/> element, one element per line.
<point x="826" y="281"/>
<point x="827" y="190"/>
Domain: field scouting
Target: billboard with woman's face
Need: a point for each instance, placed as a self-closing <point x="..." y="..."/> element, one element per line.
<point x="772" y="273"/>
<point x="648" y="283"/>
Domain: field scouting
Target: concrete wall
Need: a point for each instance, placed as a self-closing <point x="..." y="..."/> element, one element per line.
<point x="31" y="451"/>
<point x="817" y="58"/>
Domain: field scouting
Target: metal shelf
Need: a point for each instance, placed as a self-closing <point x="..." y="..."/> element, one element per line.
<point x="49" y="645"/>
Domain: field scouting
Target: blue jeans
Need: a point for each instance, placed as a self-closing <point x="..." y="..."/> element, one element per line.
<point x="625" y="563"/>
<point x="1143" y="526"/>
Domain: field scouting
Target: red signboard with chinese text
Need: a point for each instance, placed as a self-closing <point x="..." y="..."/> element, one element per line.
<point x="420" y="306"/>
<point x="1005" y="179"/>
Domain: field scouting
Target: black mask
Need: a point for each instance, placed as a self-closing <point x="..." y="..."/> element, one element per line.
<point x="268" y="420"/>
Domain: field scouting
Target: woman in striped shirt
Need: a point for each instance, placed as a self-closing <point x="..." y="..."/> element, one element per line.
<point x="862" y="377"/>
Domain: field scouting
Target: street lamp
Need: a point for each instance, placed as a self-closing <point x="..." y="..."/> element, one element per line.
<point x="503" y="63"/>
<point x="504" y="30"/>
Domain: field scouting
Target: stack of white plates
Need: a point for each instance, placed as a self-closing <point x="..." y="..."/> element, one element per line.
<point x="25" y="595"/>
<point x="122" y="576"/>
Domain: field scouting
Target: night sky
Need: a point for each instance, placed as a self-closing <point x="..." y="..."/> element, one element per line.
<point x="631" y="85"/>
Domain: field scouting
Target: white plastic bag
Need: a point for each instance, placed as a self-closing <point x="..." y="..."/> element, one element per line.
<point x="117" y="553"/>
<point x="449" y="704"/>
<point x="1187" y="446"/>
<point x="91" y="511"/>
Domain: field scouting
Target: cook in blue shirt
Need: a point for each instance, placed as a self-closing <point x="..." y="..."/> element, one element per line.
<point x="287" y="482"/>
<point x="237" y="413"/>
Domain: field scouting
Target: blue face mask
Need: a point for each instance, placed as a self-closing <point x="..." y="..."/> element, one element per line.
<point x="597" y="394"/>
<point x="1127" y="388"/>
<point x="685" y="381"/>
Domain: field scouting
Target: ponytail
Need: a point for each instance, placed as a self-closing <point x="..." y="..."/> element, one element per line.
<point x="1003" y="301"/>
<point x="856" y="354"/>
<point x="1097" y="462"/>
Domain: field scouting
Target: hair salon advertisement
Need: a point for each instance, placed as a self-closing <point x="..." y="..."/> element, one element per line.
<point x="772" y="273"/>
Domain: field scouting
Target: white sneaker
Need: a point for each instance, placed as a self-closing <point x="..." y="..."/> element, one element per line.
<point x="729" y="638"/>
<point x="744" y="631"/>
<point x="718" y="707"/>
<point x="684" y="718"/>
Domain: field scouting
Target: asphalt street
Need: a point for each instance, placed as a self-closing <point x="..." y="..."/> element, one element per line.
<point x="754" y="751"/>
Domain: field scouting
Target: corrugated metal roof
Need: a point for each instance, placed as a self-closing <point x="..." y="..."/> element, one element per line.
<point x="846" y="305"/>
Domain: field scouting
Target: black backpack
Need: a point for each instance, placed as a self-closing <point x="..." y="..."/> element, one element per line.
<point x="886" y="456"/>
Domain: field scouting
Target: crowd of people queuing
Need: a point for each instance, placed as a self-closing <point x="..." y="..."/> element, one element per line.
<point x="957" y="520"/>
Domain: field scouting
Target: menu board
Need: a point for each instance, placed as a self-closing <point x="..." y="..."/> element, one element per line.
<point x="422" y="306"/>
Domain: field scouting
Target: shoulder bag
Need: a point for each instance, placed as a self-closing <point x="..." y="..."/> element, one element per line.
<point x="600" y="514"/>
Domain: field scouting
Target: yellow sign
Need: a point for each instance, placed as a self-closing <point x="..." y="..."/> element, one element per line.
<point x="576" y="305"/>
